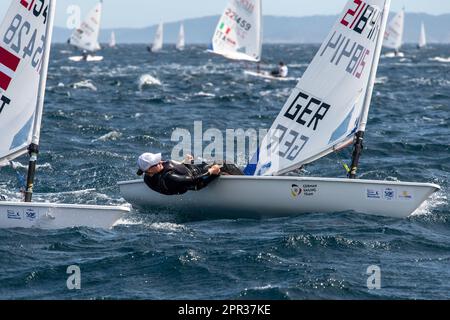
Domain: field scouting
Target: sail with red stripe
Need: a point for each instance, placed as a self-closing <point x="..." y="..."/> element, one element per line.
<point x="8" y="66"/>
<point x="25" y="35"/>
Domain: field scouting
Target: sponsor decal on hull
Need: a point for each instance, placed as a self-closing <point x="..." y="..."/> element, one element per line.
<point x="373" y="194"/>
<point x="296" y="191"/>
<point x="14" y="214"/>
<point x="306" y="190"/>
<point x="405" y="195"/>
<point x="389" y="194"/>
<point x="31" y="214"/>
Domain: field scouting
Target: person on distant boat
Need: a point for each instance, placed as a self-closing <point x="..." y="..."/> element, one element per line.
<point x="85" y="55"/>
<point x="175" y="178"/>
<point x="281" y="72"/>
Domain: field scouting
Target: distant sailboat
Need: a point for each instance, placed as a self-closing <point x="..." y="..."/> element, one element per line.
<point x="393" y="38"/>
<point x="159" y="39"/>
<point x="112" y="41"/>
<point x="238" y="34"/>
<point x="22" y="90"/>
<point x="86" y="37"/>
<point x="422" y="38"/>
<point x="181" y="39"/>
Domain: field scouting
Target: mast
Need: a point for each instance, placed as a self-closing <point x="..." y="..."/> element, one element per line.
<point x="359" y="137"/>
<point x="33" y="149"/>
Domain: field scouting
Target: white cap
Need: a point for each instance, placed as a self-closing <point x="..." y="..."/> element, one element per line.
<point x="148" y="160"/>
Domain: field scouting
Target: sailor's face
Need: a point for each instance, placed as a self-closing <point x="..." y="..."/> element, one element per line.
<point x="155" y="169"/>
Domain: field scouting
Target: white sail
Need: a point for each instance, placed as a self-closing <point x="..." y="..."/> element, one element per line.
<point x="331" y="100"/>
<point x="238" y="35"/>
<point x="181" y="39"/>
<point x="24" y="50"/>
<point x="112" y="41"/>
<point x="423" y="37"/>
<point x="159" y="39"/>
<point x="393" y="38"/>
<point x="86" y="36"/>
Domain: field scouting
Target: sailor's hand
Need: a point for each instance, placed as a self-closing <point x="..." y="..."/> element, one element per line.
<point x="214" y="170"/>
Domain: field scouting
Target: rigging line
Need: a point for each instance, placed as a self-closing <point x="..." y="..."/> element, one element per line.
<point x="340" y="161"/>
<point x="20" y="177"/>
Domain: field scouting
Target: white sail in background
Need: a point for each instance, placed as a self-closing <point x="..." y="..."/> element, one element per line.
<point x="23" y="74"/>
<point x="238" y="35"/>
<point x="112" y="41"/>
<point x="159" y="39"/>
<point x="86" y="36"/>
<point x="423" y="37"/>
<point x="393" y="38"/>
<point x="181" y="39"/>
<point x="326" y="108"/>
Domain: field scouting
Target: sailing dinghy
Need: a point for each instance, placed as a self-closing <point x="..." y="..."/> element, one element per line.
<point x="238" y="35"/>
<point x="159" y="39"/>
<point x="112" y="41"/>
<point x="422" y="38"/>
<point x="181" y="43"/>
<point x="326" y="112"/>
<point x="23" y="74"/>
<point x="85" y="37"/>
<point x="268" y="76"/>
<point x="393" y="38"/>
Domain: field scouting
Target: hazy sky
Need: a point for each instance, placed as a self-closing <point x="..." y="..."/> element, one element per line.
<point x="141" y="13"/>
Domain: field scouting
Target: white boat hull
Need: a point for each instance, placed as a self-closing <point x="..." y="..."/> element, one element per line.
<point x="440" y="59"/>
<point x="394" y="55"/>
<point x="58" y="216"/>
<point x="266" y="75"/>
<point x="88" y="59"/>
<point x="242" y="196"/>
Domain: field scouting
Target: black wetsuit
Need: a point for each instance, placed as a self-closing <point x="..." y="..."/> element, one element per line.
<point x="178" y="178"/>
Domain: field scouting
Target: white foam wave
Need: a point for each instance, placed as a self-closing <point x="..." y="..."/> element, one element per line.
<point x="85" y="84"/>
<point x="204" y="94"/>
<point x="381" y="80"/>
<point x="148" y="80"/>
<point x="166" y="226"/>
<point x="437" y="199"/>
<point x="16" y="165"/>
<point x="110" y="136"/>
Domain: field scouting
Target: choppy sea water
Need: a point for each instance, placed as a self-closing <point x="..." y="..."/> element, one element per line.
<point x="99" y="117"/>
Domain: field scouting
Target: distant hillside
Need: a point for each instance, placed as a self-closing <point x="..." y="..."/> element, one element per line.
<point x="311" y="29"/>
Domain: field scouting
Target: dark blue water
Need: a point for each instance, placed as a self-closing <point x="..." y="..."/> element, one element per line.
<point x="92" y="135"/>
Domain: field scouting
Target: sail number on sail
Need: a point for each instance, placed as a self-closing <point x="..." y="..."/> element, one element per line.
<point x="306" y="110"/>
<point x="239" y="20"/>
<point x="247" y="5"/>
<point x="39" y="8"/>
<point x="4" y="101"/>
<point x="360" y="18"/>
<point x="22" y="39"/>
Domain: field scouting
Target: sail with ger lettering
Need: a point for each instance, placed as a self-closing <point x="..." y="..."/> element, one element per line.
<point x="324" y="110"/>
